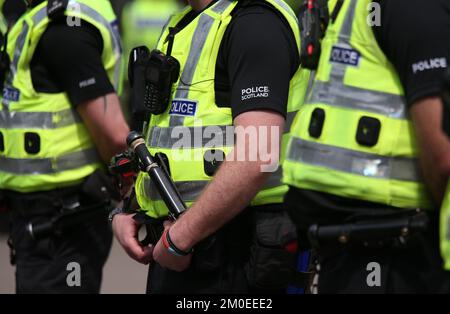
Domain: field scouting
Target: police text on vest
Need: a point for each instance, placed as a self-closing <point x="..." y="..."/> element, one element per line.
<point x="345" y="56"/>
<point x="431" y="64"/>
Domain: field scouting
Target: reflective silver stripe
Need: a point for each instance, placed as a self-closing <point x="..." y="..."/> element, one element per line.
<point x="198" y="137"/>
<point x="191" y="190"/>
<point x="191" y="137"/>
<point x="346" y="30"/>
<point x="86" y="10"/>
<point x="40" y="15"/>
<point x="448" y="229"/>
<point x="35" y="166"/>
<point x="274" y="179"/>
<point x="38" y="120"/>
<point x="198" y="43"/>
<point x="340" y="95"/>
<point x="338" y="69"/>
<point x="20" y="43"/>
<point x="311" y="80"/>
<point x="164" y="29"/>
<point x="354" y="162"/>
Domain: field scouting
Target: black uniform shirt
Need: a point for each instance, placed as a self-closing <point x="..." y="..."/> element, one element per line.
<point x="65" y="57"/>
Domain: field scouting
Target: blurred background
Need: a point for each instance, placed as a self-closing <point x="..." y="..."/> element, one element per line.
<point x="140" y="23"/>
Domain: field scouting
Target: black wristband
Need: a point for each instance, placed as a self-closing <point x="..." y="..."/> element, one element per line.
<point x="175" y="249"/>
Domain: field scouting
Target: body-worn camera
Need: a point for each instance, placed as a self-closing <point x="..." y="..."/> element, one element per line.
<point x="151" y="76"/>
<point x="314" y="19"/>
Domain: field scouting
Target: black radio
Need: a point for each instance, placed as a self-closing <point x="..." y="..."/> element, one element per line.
<point x="151" y="76"/>
<point x="313" y="19"/>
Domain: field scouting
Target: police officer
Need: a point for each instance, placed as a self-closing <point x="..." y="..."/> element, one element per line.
<point x="60" y="122"/>
<point x="239" y="66"/>
<point x="142" y="22"/>
<point x="375" y="108"/>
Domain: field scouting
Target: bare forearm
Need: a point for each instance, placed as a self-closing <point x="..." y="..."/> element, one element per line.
<point x="234" y="186"/>
<point x="106" y="124"/>
<point x="434" y="145"/>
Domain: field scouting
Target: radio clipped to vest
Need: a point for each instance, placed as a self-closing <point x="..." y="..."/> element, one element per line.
<point x="313" y="19"/>
<point x="151" y="76"/>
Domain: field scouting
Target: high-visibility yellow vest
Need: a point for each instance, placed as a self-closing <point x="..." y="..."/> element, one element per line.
<point x="43" y="142"/>
<point x="143" y="22"/>
<point x="196" y="47"/>
<point x="445" y="229"/>
<point x="334" y="146"/>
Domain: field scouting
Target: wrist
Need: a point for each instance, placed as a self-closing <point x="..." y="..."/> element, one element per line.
<point x="181" y="238"/>
<point x="172" y="247"/>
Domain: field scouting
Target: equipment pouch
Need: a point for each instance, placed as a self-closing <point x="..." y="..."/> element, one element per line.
<point x="272" y="265"/>
<point x="99" y="188"/>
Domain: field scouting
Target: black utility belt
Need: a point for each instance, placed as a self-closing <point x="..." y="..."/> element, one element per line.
<point x="43" y="201"/>
<point x="378" y="231"/>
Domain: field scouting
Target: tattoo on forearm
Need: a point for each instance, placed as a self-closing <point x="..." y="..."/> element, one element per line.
<point x="105" y="104"/>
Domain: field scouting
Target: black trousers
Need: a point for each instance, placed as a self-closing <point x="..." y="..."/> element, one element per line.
<point x="415" y="267"/>
<point x="238" y="261"/>
<point x="67" y="262"/>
